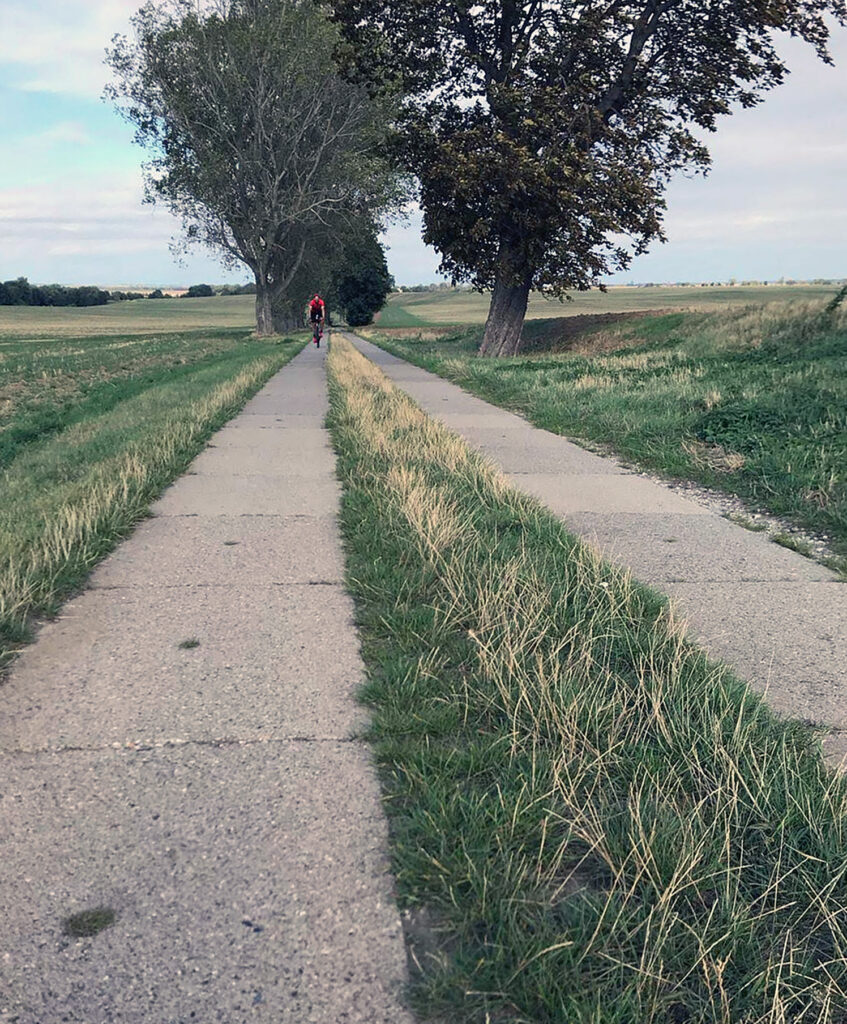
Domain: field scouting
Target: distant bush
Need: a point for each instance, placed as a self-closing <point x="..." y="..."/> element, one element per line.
<point x="237" y="289"/>
<point x="126" y="296"/>
<point x="199" y="291"/>
<point x="157" y="294"/>
<point x="21" y="293"/>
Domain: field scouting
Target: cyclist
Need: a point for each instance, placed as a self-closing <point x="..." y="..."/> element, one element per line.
<point x="317" y="316"/>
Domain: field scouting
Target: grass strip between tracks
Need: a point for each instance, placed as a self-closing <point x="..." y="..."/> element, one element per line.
<point x="72" y="491"/>
<point x="750" y="401"/>
<point x="590" y="821"/>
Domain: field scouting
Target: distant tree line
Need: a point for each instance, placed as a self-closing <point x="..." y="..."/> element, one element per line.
<point x="21" y="293"/>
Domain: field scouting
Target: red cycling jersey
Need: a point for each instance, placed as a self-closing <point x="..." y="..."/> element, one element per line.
<point x="317" y="308"/>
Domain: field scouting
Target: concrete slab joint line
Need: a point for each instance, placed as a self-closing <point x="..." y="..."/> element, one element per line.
<point x="777" y="618"/>
<point x="179" y="749"/>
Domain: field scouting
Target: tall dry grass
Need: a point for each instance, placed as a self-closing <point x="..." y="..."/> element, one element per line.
<point x="49" y="541"/>
<point x="604" y="825"/>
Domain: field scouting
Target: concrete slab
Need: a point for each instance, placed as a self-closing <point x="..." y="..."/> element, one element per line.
<point x="237" y="832"/>
<point x="283" y="433"/>
<point x="497" y="420"/>
<point x="174" y="551"/>
<point x="674" y="547"/>
<point x="249" y="495"/>
<point x="789" y="639"/>
<point x="528" y="450"/>
<point x="611" y="492"/>
<point x="291" y="402"/>
<point x="835" y="749"/>
<point x="280" y="440"/>
<point x="408" y="372"/>
<point x="268" y="422"/>
<point x="248" y="883"/>
<point x="110" y="669"/>
<point x="284" y="458"/>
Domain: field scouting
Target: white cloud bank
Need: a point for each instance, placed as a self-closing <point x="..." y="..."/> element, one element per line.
<point x="776" y="196"/>
<point x="59" y="46"/>
<point x="93" y="230"/>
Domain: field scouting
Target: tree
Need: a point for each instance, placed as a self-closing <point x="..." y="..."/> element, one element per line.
<point x="17" y="292"/>
<point x="199" y="291"/>
<point x="157" y="294"/>
<point x="258" y="141"/>
<point x="543" y="135"/>
<point x="361" y="282"/>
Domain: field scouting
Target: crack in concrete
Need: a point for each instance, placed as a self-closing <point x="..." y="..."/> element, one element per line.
<point x="142" y="746"/>
<point x="214" y="586"/>
<point x="241" y="515"/>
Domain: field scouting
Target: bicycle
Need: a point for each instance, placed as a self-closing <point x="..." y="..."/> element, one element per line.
<point x="317" y="332"/>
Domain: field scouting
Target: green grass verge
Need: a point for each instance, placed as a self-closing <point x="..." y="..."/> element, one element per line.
<point x="751" y="401"/>
<point x="91" y="430"/>
<point x="589" y="821"/>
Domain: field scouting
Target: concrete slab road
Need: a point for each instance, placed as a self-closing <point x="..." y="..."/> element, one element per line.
<point x="779" y="619"/>
<point x="178" y="749"/>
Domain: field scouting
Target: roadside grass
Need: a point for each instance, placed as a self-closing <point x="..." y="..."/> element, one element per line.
<point x="751" y="401"/>
<point x="590" y="822"/>
<point x="90" y="432"/>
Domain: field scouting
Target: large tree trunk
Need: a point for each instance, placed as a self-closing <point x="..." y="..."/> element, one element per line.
<point x="508" y="308"/>
<point x="264" y="313"/>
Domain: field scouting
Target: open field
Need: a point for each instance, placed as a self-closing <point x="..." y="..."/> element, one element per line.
<point x="752" y="401"/>
<point x="139" y="316"/>
<point x="91" y="430"/>
<point x="590" y="822"/>
<point x="409" y="309"/>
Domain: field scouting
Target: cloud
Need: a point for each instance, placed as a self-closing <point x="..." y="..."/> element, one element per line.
<point x="94" y="229"/>
<point x="103" y="215"/>
<point x="58" y="45"/>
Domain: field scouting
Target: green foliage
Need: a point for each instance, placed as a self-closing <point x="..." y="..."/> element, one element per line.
<point x="257" y="142"/>
<point x="21" y="293"/>
<point x="362" y="282"/>
<point x="837" y="300"/>
<point x="199" y="291"/>
<point x="157" y="293"/>
<point x="544" y="134"/>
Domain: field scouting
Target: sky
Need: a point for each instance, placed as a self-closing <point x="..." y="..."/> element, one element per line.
<point x="774" y="204"/>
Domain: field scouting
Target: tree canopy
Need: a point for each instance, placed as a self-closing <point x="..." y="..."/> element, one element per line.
<point x="361" y="281"/>
<point x="258" y="144"/>
<point x="543" y="135"/>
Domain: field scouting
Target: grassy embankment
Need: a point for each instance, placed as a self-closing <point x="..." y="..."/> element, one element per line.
<point x="590" y="822"/>
<point x="91" y="429"/>
<point x="453" y="307"/>
<point x="752" y="401"/>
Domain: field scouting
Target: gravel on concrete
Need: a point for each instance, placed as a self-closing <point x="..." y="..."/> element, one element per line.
<point x="776" y="617"/>
<point x="180" y="746"/>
